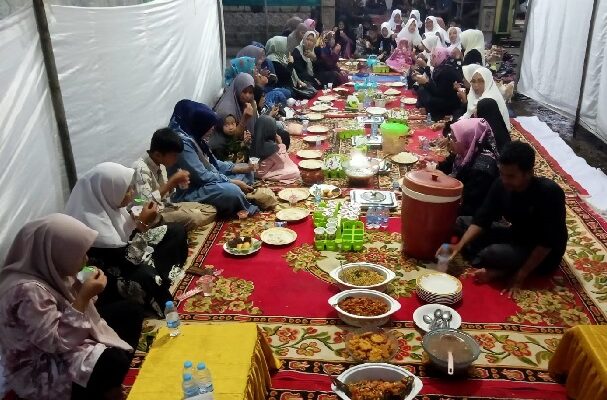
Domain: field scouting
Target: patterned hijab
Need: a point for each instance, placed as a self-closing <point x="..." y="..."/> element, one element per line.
<point x="239" y="65"/>
<point x="276" y="50"/>
<point x="301" y="48"/>
<point x="474" y="136"/>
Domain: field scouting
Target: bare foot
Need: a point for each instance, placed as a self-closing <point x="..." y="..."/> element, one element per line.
<point x="242" y="214"/>
<point x="482" y="276"/>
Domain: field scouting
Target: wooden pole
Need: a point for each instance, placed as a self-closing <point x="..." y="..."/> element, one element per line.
<point x="578" y="110"/>
<point x="55" y="91"/>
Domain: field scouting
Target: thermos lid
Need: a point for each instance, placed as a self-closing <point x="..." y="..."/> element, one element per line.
<point x="433" y="183"/>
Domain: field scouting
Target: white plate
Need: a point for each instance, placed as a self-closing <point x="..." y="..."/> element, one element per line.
<point x="349" y="84"/>
<point x="327" y="99"/>
<point x="310" y="164"/>
<point x="396" y="84"/>
<point x="325" y="187"/>
<point x="404" y="158"/>
<point x="318" y="129"/>
<point x="376" y="110"/>
<point x="313" y="117"/>
<point x="361" y="59"/>
<point x="340" y="89"/>
<point x="255" y="246"/>
<point x="409" y="101"/>
<point x="438" y="283"/>
<point x="392" y="92"/>
<point x="278" y="236"/>
<point x="418" y="316"/>
<point x="320" y="108"/>
<point x="295" y="194"/>
<point x="292" y="214"/>
<point x="309" y="154"/>
<point x="315" y="138"/>
<point x="376" y="371"/>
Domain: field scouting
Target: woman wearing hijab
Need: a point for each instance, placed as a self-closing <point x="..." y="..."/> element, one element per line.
<point x="275" y="163"/>
<point x="483" y="86"/>
<point x="454" y="39"/>
<point x="489" y="110"/>
<point x="342" y="38"/>
<point x="237" y="100"/>
<point x="282" y="60"/>
<point x="472" y="143"/>
<point x="99" y="200"/>
<point x="402" y="57"/>
<point x="415" y="15"/>
<point x="387" y="44"/>
<point x="240" y="65"/>
<point x="53" y="340"/>
<point x="410" y="33"/>
<point x="265" y="68"/>
<point x="291" y="25"/>
<point x="304" y="58"/>
<point x="327" y="56"/>
<point x="433" y="28"/>
<point x="436" y="94"/>
<point x="310" y="24"/>
<point x="219" y="183"/>
<point x="473" y="39"/>
<point x="396" y="21"/>
<point x="295" y="38"/>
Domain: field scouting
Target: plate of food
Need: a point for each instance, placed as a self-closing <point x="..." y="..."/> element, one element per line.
<point x="278" y="236"/>
<point x="309" y="154"/>
<point x="376" y="110"/>
<point x="405" y="158"/>
<point x="392" y="92"/>
<point x="396" y="84"/>
<point x="320" y="108"/>
<point x="327" y="99"/>
<point x="376" y="381"/>
<point x="313" y="117"/>
<point x="410" y="101"/>
<point x="242" y="246"/>
<point x="373" y="345"/>
<point x="293" y="195"/>
<point x="364" y="308"/>
<point x="314" y="139"/>
<point x="310" y="164"/>
<point x="341" y="90"/>
<point x="292" y="214"/>
<point x="327" y="191"/>
<point x="318" y="129"/>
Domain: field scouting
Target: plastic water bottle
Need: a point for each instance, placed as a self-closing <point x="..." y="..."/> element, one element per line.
<point x="373" y="129"/>
<point x="190" y="388"/>
<point x="203" y="378"/>
<point x="367" y="100"/>
<point x="188" y="368"/>
<point x="172" y="318"/>
<point x="385" y="217"/>
<point x="371" y="217"/>
<point x="442" y="257"/>
<point x="429" y="119"/>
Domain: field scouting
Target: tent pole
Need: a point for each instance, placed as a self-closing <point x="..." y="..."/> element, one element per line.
<point x="55" y="89"/>
<point x="265" y="7"/>
<point x="520" y="61"/>
<point x="578" y="110"/>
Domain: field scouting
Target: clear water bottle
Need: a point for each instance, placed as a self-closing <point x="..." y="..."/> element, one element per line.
<point x="385" y="217"/>
<point x="190" y="388"/>
<point x="172" y="318"/>
<point x="429" y="119"/>
<point x="188" y="368"/>
<point x="442" y="258"/>
<point x="373" y="129"/>
<point x="304" y="126"/>
<point x="203" y="378"/>
<point x="371" y="217"/>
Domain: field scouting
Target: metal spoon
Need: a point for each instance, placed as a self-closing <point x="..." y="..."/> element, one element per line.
<point x="339" y="385"/>
<point x="447" y="317"/>
<point x="428" y="319"/>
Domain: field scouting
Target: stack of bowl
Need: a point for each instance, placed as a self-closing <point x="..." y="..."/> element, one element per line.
<point x="438" y="287"/>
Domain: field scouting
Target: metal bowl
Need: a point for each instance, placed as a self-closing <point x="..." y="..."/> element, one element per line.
<point x="436" y="350"/>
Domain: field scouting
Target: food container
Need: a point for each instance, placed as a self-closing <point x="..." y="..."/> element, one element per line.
<point x="311" y="172"/>
<point x="363" y="353"/>
<point x="360" y="320"/>
<point x="429" y="209"/>
<point x="380" y="287"/>
<point x="451" y="337"/>
<point x="352" y="234"/>
<point x="394" y="137"/>
<point x="361" y="176"/>
<point x="380" y="102"/>
<point x="377" y="371"/>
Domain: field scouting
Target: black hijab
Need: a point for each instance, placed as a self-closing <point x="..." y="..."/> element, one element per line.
<point x="489" y="110"/>
<point x="264" y="140"/>
<point x="473" y="57"/>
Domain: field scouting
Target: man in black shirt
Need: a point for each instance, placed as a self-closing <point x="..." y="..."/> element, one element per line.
<point x="534" y="238"/>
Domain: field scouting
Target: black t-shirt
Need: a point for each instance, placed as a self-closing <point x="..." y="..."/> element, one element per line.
<point x="537" y="215"/>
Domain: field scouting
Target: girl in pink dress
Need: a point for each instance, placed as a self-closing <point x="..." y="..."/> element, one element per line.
<point x="275" y="163"/>
<point x="402" y="57"/>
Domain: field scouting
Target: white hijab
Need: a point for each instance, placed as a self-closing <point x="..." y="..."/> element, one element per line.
<point x="417" y="17"/>
<point x="415" y="39"/>
<point x="491" y="91"/>
<point x="436" y="28"/>
<point x="391" y="22"/>
<point x="387" y="26"/>
<point x="458" y="40"/>
<point x="301" y="48"/>
<point x="473" y="39"/>
<point x="95" y="201"/>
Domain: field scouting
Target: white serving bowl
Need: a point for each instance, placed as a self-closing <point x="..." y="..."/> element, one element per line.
<point x="376" y="371"/>
<point x="380" y="287"/>
<point x="360" y="320"/>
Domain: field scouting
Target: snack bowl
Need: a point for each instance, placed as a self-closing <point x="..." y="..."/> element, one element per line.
<point x="371" y="345"/>
<point x="380" y="287"/>
<point x="377" y="371"/>
<point x="361" y="176"/>
<point x="362" y="321"/>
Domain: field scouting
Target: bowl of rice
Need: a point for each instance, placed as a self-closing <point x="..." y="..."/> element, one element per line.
<point x="362" y="275"/>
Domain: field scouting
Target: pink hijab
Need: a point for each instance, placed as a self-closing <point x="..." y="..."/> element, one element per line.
<point x="469" y="134"/>
<point x="49" y="251"/>
<point x="310" y="23"/>
<point x="439" y="55"/>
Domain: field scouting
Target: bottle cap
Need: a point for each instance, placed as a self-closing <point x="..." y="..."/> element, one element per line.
<point x="445" y="246"/>
<point x="187" y="364"/>
<point x="201" y="365"/>
<point x="169" y="304"/>
<point x="187" y="377"/>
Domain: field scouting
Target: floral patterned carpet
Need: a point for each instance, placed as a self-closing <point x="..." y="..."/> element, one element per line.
<point x="285" y="290"/>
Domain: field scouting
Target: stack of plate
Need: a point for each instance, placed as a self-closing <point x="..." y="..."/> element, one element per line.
<point x="437" y="287"/>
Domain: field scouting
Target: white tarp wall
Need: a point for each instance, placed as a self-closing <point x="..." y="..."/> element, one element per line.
<point x="552" y="65"/>
<point x="122" y="69"/>
<point x="32" y="181"/>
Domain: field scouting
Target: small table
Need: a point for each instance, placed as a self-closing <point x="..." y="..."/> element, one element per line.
<point x="237" y="354"/>
<point x="582" y="357"/>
